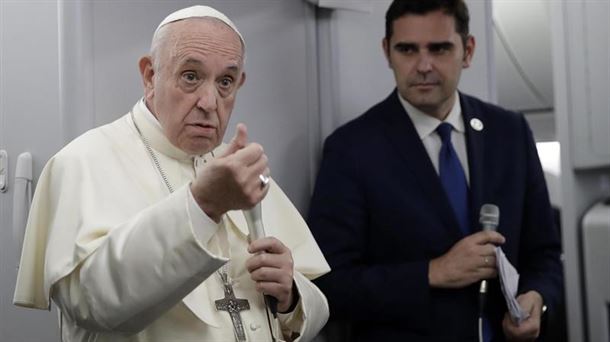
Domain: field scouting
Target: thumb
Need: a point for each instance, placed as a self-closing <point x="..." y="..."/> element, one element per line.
<point x="239" y="141"/>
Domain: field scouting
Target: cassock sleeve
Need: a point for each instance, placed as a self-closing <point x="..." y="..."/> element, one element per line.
<point x="310" y="314"/>
<point x="139" y="271"/>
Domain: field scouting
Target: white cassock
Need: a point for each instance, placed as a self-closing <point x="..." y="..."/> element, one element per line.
<point x="125" y="260"/>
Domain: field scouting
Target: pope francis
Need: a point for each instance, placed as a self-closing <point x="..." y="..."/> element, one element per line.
<point x="136" y="231"/>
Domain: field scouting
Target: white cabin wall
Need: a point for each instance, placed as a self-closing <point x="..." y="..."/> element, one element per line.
<point x="30" y="121"/>
<point x="581" y="67"/>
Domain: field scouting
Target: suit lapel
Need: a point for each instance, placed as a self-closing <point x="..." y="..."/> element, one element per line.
<point x="475" y="146"/>
<point x="404" y="138"/>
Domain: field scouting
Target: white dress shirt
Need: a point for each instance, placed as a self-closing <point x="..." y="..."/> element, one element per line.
<point x="426" y="125"/>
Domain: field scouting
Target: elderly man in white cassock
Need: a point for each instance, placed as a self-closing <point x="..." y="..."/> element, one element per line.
<point x="136" y="230"/>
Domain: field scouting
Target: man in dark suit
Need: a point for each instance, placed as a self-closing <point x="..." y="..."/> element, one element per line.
<point x="397" y="198"/>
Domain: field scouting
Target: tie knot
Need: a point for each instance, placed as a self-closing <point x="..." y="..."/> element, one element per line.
<point x="444" y="131"/>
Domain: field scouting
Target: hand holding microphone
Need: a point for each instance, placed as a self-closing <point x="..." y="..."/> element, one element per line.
<point x="271" y="267"/>
<point x="489" y="217"/>
<point x="257" y="231"/>
<point x="237" y="179"/>
<point x="470" y="260"/>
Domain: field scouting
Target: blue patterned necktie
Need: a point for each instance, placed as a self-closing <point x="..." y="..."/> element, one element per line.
<point x="453" y="178"/>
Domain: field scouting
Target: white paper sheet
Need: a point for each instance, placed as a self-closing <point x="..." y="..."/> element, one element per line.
<point x="509" y="282"/>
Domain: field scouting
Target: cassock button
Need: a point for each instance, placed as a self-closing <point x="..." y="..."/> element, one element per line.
<point x="476" y="124"/>
<point x="254" y="326"/>
<point x="199" y="161"/>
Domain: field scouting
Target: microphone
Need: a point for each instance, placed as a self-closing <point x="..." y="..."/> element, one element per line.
<point x="256" y="229"/>
<point x="489" y="217"/>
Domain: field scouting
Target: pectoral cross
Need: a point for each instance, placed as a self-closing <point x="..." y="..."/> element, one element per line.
<point x="233" y="306"/>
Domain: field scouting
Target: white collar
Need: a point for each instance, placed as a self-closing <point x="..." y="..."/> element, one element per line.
<point x="152" y="131"/>
<point x="426" y="124"/>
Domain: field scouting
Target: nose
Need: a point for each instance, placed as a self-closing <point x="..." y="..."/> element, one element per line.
<point x="208" y="98"/>
<point x="424" y="64"/>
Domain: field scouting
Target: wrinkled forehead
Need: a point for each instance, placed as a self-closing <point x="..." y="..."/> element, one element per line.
<point x="200" y="37"/>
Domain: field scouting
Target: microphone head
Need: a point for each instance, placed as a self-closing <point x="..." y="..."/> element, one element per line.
<point x="489" y="216"/>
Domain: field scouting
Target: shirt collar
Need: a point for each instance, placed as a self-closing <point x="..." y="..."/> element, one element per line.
<point x="426" y="124"/>
<point x="148" y="114"/>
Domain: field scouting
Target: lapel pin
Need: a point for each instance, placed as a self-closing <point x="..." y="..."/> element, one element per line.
<point x="476" y="124"/>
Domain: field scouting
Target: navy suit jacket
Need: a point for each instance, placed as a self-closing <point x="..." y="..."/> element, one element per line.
<point x="380" y="214"/>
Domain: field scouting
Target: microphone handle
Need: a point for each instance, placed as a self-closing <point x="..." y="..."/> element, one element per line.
<point x="482" y="297"/>
<point x="272" y="304"/>
<point x="257" y="231"/>
<point x="483" y="286"/>
<point x="254" y="220"/>
<point x="489" y="218"/>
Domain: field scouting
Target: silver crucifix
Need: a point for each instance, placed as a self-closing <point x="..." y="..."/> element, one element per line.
<point x="233" y="306"/>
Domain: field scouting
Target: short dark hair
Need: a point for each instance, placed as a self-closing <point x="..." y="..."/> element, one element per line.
<point x="455" y="8"/>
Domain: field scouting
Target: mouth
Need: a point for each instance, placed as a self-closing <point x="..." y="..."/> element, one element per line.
<point x="202" y="124"/>
<point x="203" y="128"/>
<point x="425" y="85"/>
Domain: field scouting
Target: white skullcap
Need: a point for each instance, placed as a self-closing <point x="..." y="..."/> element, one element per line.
<point x="199" y="12"/>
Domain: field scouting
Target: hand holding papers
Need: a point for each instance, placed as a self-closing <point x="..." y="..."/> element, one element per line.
<point x="509" y="282"/>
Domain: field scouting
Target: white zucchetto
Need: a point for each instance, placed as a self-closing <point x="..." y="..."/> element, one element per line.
<point x="199" y="11"/>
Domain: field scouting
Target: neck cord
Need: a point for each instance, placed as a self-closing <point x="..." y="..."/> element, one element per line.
<point x="152" y="154"/>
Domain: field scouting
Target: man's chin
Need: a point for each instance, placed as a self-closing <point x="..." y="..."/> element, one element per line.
<point x="422" y="102"/>
<point x="198" y="147"/>
<point x="427" y="106"/>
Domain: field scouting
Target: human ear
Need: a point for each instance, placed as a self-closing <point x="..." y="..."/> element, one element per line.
<point x="147" y="72"/>
<point x="242" y="79"/>
<point x="385" y="45"/>
<point x="469" y="47"/>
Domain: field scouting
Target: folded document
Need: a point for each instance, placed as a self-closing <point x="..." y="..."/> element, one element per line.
<point x="509" y="282"/>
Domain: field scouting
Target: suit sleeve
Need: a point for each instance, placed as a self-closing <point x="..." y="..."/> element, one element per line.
<point x="539" y="253"/>
<point x="339" y="218"/>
